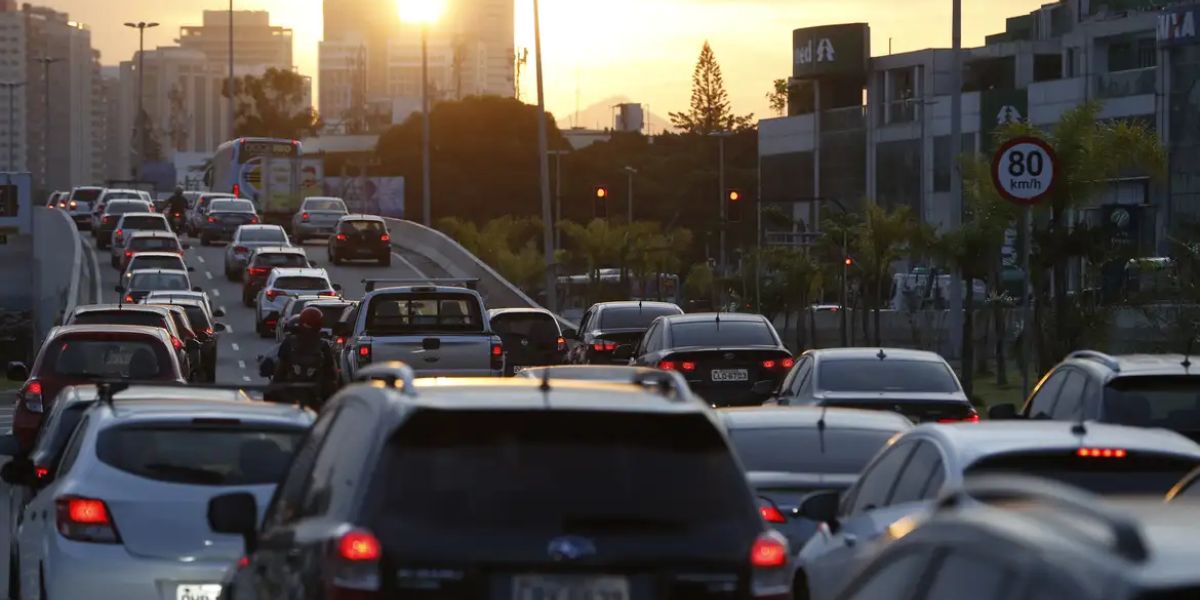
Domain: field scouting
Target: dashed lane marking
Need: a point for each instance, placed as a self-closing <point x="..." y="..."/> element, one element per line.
<point x="235" y="347"/>
<point x="216" y="292"/>
<point x="241" y="364"/>
<point x="246" y="378"/>
<point x="208" y="274"/>
<point x="228" y="328"/>
<point x="200" y="258"/>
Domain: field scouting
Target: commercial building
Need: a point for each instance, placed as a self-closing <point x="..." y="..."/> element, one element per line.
<point x="879" y="127"/>
<point x="13" y="130"/>
<point x="258" y="44"/>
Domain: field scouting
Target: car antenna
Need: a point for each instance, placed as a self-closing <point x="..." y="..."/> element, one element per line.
<point x="718" y="321"/>
<point x="882" y="355"/>
<point x="544" y="388"/>
<point x="821" y="427"/>
<point x="1187" y="353"/>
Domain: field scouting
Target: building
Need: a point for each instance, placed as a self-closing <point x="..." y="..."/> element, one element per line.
<point x="258" y="45"/>
<point x="13" y="99"/>
<point x="894" y="147"/>
<point x="116" y="159"/>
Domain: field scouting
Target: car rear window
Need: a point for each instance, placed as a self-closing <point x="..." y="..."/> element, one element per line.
<point x="270" y="234"/>
<point x="197" y="317"/>
<point x="1171" y="402"/>
<point x="241" y="206"/>
<point x="120" y="317"/>
<point x="109" y="197"/>
<point x="155" y="262"/>
<point x="888" y="375"/>
<point x="565" y="472"/>
<point x="279" y="259"/>
<point x="200" y="453"/>
<point x="86" y="194"/>
<point x="728" y="333"/>
<point x="301" y="283"/>
<point x="158" y="281"/>
<point x="337" y="205"/>
<point x="153" y="243"/>
<point x="807" y="450"/>
<point x="423" y="312"/>
<point x="330" y="313"/>
<point x="634" y="317"/>
<point x="108" y="357"/>
<point x="361" y="226"/>
<point x="1133" y="474"/>
<point x="145" y="223"/>
<point x="120" y="208"/>
<point x="532" y="326"/>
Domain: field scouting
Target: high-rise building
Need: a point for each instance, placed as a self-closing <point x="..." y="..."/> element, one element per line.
<point x="13" y="130"/>
<point x="257" y="44"/>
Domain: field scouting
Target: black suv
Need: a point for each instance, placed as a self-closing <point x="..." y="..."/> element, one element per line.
<point x="1140" y="390"/>
<point x="607" y="325"/>
<point x="522" y="488"/>
<point x="358" y="237"/>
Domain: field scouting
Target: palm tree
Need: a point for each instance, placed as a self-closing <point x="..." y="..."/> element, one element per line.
<point x="881" y="241"/>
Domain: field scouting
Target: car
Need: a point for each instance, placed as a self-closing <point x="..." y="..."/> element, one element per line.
<point x="127" y="224"/>
<point x="532" y="337"/>
<point x="918" y="384"/>
<point x="262" y="260"/>
<point x="610" y="324"/>
<point x="245" y="241"/>
<point x="105" y="221"/>
<point x="79" y="354"/>
<point x="791" y="452"/>
<point x="224" y="216"/>
<point x="147" y="196"/>
<point x="79" y="202"/>
<point x="282" y="283"/>
<point x="150" y="241"/>
<point x="1038" y="540"/>
<point x="508" y="488"/>
<point x="905" y="480"/>
<point x="129" y="497"/>
<point x="318" y="217"/>
<point x="56" y="199"/>
<point x="161" y="296"/>
<point x="357" y="237"/>
<point x="198" y="210"/>
<point x="729" y="359"/>
<point x="141" y="283"/>
<point x="1142" y="390"/>
<point x="192" y="345"/>
<point x="134" y="314"/>
<point x="108" y="195"/>
<point x="331" y="311"/>
<point x="200" y="318"/>
<point x="170" y="261"/>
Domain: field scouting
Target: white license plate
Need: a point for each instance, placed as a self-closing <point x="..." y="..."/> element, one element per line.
<point x="568" y="587"/>
<point x="730" y="375"/>
<point x="199" y="591"/>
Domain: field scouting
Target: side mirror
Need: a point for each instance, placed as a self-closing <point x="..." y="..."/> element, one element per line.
<point x="120" y="289"/>
<point x="197" y="288"/>
<point x="624" y="351"/>
<point x="266" y="368"/>
<point x="17" y="371"/>
<point x="220" y="312"/>
<point x="337" y="286"/>
<point x="191" y="269"/>
<point x="219" y="328"/>
<point x="821" y="507"/>
<point x="571" y="334"/>
<point x="19" y="471"/>
<point x="763" y="388"/>
<point x="235" y="514"/>
<point x="1003" y="412"/>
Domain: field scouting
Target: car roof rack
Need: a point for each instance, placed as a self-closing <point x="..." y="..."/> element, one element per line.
<point x="1127" y="537"/>
<point x="389" y="373"/>
<point x="470" y="283"/>
<point x="1097" y="356"/>
<point x="107" y="389"/>
<point x="668" y="384"/>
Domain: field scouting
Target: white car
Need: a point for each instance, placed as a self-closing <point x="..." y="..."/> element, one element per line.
<point x="283" y="283"/>
<point x="125" y="514"/>
<point x="126" y="225"/>
<point x="155" y="260"/>
<point x="247" y="239"/>
<point x="167" y="296"/>
<point x="79" y="202"/>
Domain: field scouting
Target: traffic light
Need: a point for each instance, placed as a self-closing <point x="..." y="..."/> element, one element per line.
<point x="733" y="206"/>
<point x="849" y="261"/>
<point x="600" y="197"/>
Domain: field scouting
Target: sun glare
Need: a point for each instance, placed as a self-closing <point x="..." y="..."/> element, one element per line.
<point x="420" y="11"/>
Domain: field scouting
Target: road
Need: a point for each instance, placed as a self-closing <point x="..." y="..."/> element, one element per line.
<point x="239" y="347"/>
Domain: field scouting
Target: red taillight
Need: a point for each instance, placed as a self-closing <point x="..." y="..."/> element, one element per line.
<point x="768" y="364"/>
<point x="119" y="233"/>
<point x="41" y="472"/>
<point x="129" y="297"/>
<point x="771" y="514"/>
<point x="359" y="546"/>
<point x="176" y="343"/>
<point x="787" y="363"/>
<point x="304" y="217"/>
<point x="667" y="365"/>
<point x="212" y="219"/>
<point x="271" y="322"/>
<point x="240" y="249"/>
<point x="385" y="238"/>
<point x="1102" y="453"/>
<point x="687" y="366"/>
<point x="237" y="190"/>
<point x="106" y="220"/>
<point x="328" y="293"/>
<point x="340" y="340"/>
<point x="497" y="349"/>
<point x="34" y="387"/>
<point x="364" y="354"/>
<point x="271" y="294"/>
<point x="208" y="331"/>
<point x="31" y="396"/>
<point x="128" y="253"/>
<point x="972" y="417"/>
<point x="85" y="520"/>
<point x="341" y="237"/>
<point x="254" y="220"/>
<point x="243" y="562"/>
<point x="257" y="270"/>
<point x="561" y="344"/>
<point x="603" y="346"/>
<point x="769" y="551"/>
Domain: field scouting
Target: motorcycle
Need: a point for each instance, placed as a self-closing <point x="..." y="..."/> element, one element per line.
<point x="178" y="221"/>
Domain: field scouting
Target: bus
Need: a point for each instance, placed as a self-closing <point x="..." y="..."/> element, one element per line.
<point x="268" y="171"/>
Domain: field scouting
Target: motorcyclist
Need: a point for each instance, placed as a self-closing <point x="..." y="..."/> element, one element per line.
<point x="306" y="357"/>
<point x="177" y="206"/>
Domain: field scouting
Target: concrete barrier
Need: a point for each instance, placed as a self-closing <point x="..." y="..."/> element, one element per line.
<point x="58" y="265"/>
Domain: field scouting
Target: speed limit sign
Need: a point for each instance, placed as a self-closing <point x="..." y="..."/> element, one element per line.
<point x="1025" y="170"/>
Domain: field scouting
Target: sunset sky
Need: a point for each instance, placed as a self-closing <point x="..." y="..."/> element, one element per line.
<point x="643" y="50"/>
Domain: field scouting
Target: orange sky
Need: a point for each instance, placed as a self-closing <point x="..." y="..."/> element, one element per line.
<point x="641" y="49"/>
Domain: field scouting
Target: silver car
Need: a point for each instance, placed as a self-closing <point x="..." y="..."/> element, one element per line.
<point x="245" y="240"/>
<point x="126" y="511"/>
<point x="317" y="217"/>
<point x="129" y="223"/>
<point x="284" y="283"/>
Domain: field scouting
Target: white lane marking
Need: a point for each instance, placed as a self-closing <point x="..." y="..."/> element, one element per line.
<point x="200" y="258"/>
<point x="216" y="292"/>
<point x="223" y="309"/>
<point x="241" y="364"/>
<point x="228" y="327"/>
<point x="411" y="266"/>
<point x="208" y="274"/>
<point x="246" y="378"/>
<point x="236" y="348"/>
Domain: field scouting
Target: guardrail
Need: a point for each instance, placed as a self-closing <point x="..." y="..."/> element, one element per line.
<point x="60" y="269"/>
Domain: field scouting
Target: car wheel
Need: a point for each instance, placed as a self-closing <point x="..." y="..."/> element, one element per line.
<point x="231" y="275"/>
<point x="386" y="260"/>
<point x="800" y="586"/>
<point x="14" y="574"/>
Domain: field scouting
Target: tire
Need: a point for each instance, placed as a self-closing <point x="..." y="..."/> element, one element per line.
<point x="385" y="260"/>
<point x="101" y="244"/>
<point x="14" y="575"/>
<point x="231" y="276"/>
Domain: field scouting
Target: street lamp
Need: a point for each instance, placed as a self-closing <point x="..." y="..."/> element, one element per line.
<point x="424" y="13"/>
<point x="544" y="167"/>
<point x="630" y="171"/>
<point x="721" y="135"/>
<point x="141" y="26"/>
<point x="46" y="62"/>
<point x="232" y="112"/>
<point x="12" y="86"/>
<point x="558" y="154"/>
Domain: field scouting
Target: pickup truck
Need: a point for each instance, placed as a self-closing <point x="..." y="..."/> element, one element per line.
<point x="440" y="331"/>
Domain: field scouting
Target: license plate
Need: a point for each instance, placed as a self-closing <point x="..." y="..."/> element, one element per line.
<point x="202" y="591"/>
<point x="730" y="375"/>
<point x="567" y="587"/>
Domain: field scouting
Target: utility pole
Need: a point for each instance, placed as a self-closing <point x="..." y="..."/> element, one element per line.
<point x="232" y="110"/>
<point x="558" y="154"/>
<point x="12" y="122"/>
<point x="141" y="120"/>
<point x="956" y="200"/>
<point x="46" y="62"/>
<point x="544" y="167"/>
<point x="426" y="164"/>
<point x="630" y="172"/>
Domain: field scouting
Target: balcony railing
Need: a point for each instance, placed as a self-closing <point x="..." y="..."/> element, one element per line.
<point x="849" y="118"/>
<point x="1118" y="84"/>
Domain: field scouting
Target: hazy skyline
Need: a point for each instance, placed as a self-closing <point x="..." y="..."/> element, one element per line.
<point x="640" y="49"/>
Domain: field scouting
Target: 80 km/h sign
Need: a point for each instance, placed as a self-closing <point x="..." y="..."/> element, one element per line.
<point x="1025" y="170"/>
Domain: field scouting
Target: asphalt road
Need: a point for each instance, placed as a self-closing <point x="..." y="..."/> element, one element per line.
<point x="240" y="346"/>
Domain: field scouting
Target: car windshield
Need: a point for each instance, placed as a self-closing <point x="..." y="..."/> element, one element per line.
<point x="120" y="317"/>
<point x="295" y="305"/>
<point x="158" y="281"/>
<point x="806" y="449"/>
<point x="156" y="262"/>
<point x="326" y="205"/>
<point x="1133" y="474"/>
<point x="633" y="317"/>
<point x="146" y="223"/>
<point x="727" y="333"/>
<point x="86" y="194"/>
<point x="240" y="206"/>
<point x="262" y="234"/>
<point x="279" y="259"/>
<point x="1170" y="402"/>
<point x="423" y="312"/>
<point x="211" y="454"/>
<point x="888" y="375"/>
<point x="537" y="327"/>
<point x="301" y="283"/>
<point x="120" y="208"/>
<point x="153" y="243"/>
<point x="584" y="473"/>
<point x="107" y="357"/>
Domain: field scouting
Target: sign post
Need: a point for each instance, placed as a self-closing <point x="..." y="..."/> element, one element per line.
<point x="1025" y="170"/>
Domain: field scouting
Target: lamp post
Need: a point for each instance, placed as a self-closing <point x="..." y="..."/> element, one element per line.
<point x="232" y="112"/>
<point x="424" y="13"/>
<point x="558" y="154"/>
<point x="46" y="62"/>
<point x="544" y="167"/>
<point x="12" y="86"/>
<point x="630" y="172"/>
<point x="139" y="124"/>
<point x="956" y="199"/>
<point x="721" y="135"/>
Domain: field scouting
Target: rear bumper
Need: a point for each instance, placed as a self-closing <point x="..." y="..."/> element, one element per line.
<point x="723" y="396"/>
<point x="79" y="570"/>
<point x="362" y="249"/>
<point x="457" y="372"/>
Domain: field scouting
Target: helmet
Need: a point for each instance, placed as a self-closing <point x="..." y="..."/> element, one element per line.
<point x="310" y="318"/>
<point x="178" y="189"/>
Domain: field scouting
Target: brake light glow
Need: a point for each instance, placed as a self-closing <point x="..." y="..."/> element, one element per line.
<point x="258" y="270"/>
<point x="340" y="340"/>
<point x="972" y="417"/>
<point x="1101" y="453"/>
<point x="119" y="233"/>
<point x="787" y="363"/>
<point x="237" y="190"/>
<point x="771" y="514"/>
<point x="768" y="552"/>
<point x="385" y="238"/>
<point x="667" y="365"/>
<point x="364" y="353"/>
<point x="254" y="220"/>
<point x="603" y="346"/>
<point x="328" y="293"/>
<point x="359" y="546"/>
<point x="41" y="472"/>
<point x="128" y="253"/>
<point x="129" y="297"/>
<point x="304" y="217"/>
<point x="561" y="344"/>
<point x="341" y="237"/>
<point x="687" y="366"/>
<point x="768" y="364"/>
<point x="240" y="249"/>
<point x="271" y="294"/>
<point x="178" y="345"/>
<point x="31" y="396"/>
<point x="212" y="219"/>
<point x="106" y="219"/>
<point x="497" y="349"/>
<point x="208" y="331"/>
<point x="85" y="520"/>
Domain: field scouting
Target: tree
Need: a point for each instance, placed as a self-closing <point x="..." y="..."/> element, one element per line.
<point x="710" y="111"/>
<point x="778" y="97"/>
<point x="179" y="119"/>
<point x="273" y="106"/>
<point x="881" y="241"/>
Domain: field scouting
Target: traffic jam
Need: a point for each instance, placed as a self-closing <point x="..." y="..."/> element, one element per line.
<point x="414" y="442"/>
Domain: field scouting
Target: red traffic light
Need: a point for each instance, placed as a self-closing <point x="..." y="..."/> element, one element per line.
<point x="849" y="262"/>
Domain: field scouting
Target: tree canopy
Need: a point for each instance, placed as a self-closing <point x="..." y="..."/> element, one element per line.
<point x="273" y="106"/>
<point x="710" y="110"/>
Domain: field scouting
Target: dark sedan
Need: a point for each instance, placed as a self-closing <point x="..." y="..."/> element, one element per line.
<point x="359" y="237"/>
<point x="224" y="216"/>
<point x="610" y="324"/>
<point x="532" y="337"/>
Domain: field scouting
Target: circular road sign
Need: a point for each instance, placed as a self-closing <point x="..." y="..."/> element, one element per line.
<point x="1025" y="170"/>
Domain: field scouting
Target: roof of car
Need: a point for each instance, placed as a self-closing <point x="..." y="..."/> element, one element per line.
<point x="771" y="417"/>
<point x="493" y="312"/>
<point x="636" y="304"/>
<point x="142" y="214"/>
<point x="89" y="392"/>
<point x="361" y="217"/>
<point x="169" y="271"/>
<point x="280" y="250"/>
<point x="1123" y="365"/>
<point x="299" y="272"/>
<point x="144" y="233"/>
<point x="307" y="198"/>
<point x="157" y="254"/>
<point x="868" y="352"/>
<point x="974" y="441"/>
<point x="107" y="329"/>
<point x="180" y="301"/>
<point x="90" y="308"/>
<point x="526" y="394"/>
<point x="587" y="372"/>
<point x="197" y="403"/>
<point x="712" y="318"/>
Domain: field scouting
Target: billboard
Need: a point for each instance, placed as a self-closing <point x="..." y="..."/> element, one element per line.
<point x="383" y="196"/>
<point x="1177" y="26"/>
<point x="837" y="50"/>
